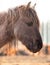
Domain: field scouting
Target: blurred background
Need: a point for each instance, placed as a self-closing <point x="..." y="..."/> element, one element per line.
<point x="43" y="11"/>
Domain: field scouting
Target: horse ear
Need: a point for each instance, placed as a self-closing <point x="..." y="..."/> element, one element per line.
<point x="28" y="5"/>
<point x="34" y="5"/>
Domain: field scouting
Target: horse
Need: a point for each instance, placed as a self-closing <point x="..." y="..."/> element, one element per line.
<point x="21" y="23"/>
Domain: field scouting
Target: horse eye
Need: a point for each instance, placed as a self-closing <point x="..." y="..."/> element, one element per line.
<point x="29" y="23"/>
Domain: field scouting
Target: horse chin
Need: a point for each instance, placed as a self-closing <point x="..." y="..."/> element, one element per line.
<point x="37" y="50"/>
<point x="34" y="47"/>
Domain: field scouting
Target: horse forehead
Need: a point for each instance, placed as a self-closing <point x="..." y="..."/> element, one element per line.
<point x="25" y="16"/>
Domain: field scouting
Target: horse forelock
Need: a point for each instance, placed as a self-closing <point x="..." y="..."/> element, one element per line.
<point x="28" y="14"/>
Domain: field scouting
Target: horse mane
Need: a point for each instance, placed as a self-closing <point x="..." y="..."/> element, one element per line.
<point x="22" y="11"/>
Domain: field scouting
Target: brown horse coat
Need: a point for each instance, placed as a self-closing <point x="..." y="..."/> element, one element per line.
<point x="21" y="23"/>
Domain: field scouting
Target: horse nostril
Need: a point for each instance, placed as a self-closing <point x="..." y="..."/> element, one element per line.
<point x="39" y="44"/>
